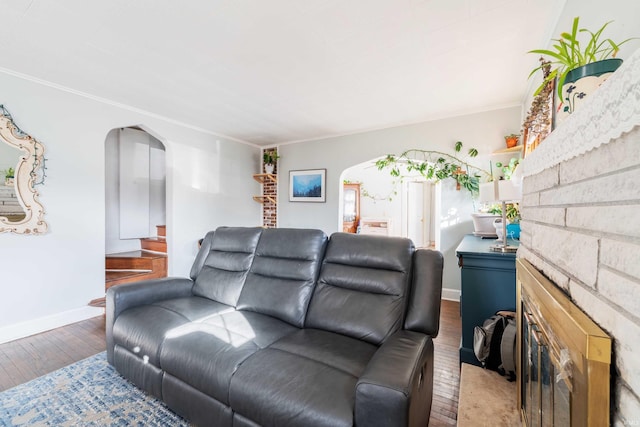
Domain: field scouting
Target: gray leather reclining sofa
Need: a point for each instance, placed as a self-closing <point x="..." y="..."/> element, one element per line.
<point x="285" y="327"/>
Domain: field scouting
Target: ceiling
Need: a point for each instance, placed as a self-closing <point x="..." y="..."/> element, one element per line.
<point x="269" y="72"/>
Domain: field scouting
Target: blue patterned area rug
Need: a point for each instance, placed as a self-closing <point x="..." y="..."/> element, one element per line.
<point x="87" y="393"/>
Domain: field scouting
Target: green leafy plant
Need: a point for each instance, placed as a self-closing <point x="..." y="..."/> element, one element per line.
<point x="509" y="168"/>
<point x="436" y="165"/>
<point x="513" y="212"/>
<point x="9" y="173"/>
<point x="270" y="157"/>
<point x="568" y="53"/>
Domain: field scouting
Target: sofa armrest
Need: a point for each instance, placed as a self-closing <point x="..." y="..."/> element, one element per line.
<point x="423" y="312"/>
<point x="122" y="297"/>
<point x="397" y="385"/>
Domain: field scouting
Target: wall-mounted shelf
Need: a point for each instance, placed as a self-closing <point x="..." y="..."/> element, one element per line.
<point x="263" y="177"/>
<point x="516" y="149"/>
<point x="263" y="199"/>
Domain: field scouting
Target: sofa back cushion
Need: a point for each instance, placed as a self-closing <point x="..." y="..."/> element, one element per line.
<point x="283" y="274"/>
<point x="363" y="286"/>
<point x="223" y="262"/>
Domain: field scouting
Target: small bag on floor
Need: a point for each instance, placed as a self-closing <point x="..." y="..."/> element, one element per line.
<point x="494" y="343"/>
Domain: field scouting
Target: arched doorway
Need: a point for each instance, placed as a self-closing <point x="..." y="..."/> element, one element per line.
<point x="407" y="208"/>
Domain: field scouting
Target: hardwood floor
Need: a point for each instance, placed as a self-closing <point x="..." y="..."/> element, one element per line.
<point x="446" y="372"/>
<point x="28" y="358"/>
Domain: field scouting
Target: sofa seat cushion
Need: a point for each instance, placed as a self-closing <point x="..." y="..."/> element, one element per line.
<point x="306" y="378"/>
<point x="141" y="330"/>
<point x="338" y="351"/>
<point x="205" y="354"/>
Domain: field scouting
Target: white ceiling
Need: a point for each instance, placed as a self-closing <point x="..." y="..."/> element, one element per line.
<point x="268" y="72"/>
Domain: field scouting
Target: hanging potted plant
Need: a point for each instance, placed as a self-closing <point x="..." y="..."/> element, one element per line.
<point x="269" y="158"/>
<point x="580" y="68"/>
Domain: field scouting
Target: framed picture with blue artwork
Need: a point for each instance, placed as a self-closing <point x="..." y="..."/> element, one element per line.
<point x="307" y="185"/>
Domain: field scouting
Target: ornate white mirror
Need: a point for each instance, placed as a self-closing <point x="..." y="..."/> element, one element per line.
<point x="21" y="168"/>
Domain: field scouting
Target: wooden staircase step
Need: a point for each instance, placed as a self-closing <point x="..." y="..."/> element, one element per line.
<point x="157" y="244"/>
<point x="162" y="230"/>
<point x="134" y="260"/>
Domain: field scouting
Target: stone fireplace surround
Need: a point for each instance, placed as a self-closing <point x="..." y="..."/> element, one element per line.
<point x="581" y="221"/>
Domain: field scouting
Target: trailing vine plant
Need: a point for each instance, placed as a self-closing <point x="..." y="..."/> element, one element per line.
<point x="378" y="198"/>
<point x="437" y="166"/>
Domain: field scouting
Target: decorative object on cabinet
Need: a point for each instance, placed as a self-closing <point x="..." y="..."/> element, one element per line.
<point x="351" y="207"/>
<point x="28" y="172"/>
<point x="376" y="226"/>
<point x="488" y="285"/>
<point x="507" y="190"/>
<point x="436" y="166"/>
<point x="307" y="185"/>
<point x="483" y="224"/>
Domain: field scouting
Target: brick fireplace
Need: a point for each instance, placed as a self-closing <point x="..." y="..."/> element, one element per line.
<point x="581" y="222"/>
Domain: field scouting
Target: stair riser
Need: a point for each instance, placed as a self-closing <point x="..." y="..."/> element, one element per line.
<point x="154" y="245"/>
<point x="151" y="275"/>
<point x="162" y="230"/>
<point x="128" y="263"/>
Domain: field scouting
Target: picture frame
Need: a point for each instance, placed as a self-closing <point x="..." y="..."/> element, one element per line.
<point x="307" y="185"/>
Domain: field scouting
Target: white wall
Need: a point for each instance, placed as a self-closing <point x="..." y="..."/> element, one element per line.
<point x="484" y="131"/>
<point x="48" y="280"/>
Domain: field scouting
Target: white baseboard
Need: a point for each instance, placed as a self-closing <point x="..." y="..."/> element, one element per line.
<point x="42" y="324"/>
<point x="451" y="294"/>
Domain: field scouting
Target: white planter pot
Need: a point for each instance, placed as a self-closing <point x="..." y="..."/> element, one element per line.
<point x="269" y="168"/>
<point x="483" y="224"/>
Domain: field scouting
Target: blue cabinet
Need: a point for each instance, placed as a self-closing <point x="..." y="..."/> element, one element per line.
<point x="488" y="285"/>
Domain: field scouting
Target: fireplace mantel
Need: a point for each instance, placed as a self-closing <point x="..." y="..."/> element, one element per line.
<point x="611" y="111"/>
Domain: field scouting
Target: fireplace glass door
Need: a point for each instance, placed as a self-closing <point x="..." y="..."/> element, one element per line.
<point x="545" y="396"/>
<point x="564" y="358"/>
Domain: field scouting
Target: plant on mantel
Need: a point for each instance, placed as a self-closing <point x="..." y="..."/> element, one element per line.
<point x="568" y="54"/>
<point x="437" y="166"/>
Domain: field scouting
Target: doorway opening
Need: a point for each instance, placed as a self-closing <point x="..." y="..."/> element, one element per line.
<point x="390" y="206"/>
<point x="135" y="206"/>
